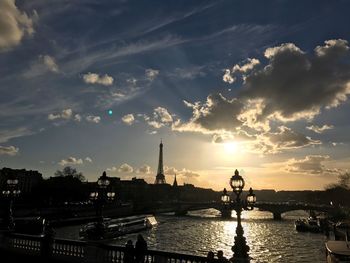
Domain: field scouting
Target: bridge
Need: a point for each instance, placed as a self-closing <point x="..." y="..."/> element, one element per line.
<point x="276" y="208"/>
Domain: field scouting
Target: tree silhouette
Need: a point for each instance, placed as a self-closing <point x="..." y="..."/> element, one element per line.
<point x="338" y="193"/>
<point x="343" y="182"/>
<point x="70" y="172"/>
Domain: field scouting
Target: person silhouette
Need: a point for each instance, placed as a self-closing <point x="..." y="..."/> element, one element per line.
<point x="48" y="240"/>
<point x="129" y="252"/>
<point x="221" y="257"/>
<point x="140" y="249"/>
<point x="210" y="257"/>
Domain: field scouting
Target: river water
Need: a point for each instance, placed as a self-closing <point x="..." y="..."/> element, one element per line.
<point x="204" y="230"/>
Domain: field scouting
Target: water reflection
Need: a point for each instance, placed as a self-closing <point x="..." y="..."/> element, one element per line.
<point x="201" y="231"/>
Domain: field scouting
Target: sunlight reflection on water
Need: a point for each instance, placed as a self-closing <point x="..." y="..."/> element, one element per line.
<point x="201" y="231"/>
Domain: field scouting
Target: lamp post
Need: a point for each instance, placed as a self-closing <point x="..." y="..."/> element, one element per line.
<point x="240" y="248"/>
<point x="10" y="193"/>
<point x="100" y="197"/>
<point x="226" y="204"/>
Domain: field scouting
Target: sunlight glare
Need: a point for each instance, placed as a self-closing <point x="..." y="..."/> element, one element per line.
<point x="230" y="147"/>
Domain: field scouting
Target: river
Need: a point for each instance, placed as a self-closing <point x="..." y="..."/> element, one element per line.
<point x="204" y="230"/>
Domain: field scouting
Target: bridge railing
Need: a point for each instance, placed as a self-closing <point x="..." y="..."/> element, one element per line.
<point x="75" y="251"/>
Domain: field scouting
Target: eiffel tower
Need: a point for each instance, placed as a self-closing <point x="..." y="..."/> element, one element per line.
<point x="160" y="178"/>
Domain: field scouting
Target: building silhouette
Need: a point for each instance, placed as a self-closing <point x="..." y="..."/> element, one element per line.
<point x="175" y="182"/>
<point x="27" y="180"/>
<point x="160" y="177"/>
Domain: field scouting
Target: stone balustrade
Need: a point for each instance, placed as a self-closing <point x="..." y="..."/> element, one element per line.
<point x="64" y="250"/>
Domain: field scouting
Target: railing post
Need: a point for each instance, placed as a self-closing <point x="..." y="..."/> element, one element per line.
<point x="4" y="240"/>
<point x="93" y="252"/>
<point x="47" y="241"/>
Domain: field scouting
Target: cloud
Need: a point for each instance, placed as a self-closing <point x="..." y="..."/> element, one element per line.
<point x="295" y="85"/>
<point x="151" y="74"/>
<point x="44" y="64"/>
<point x="14" y="25"/>
<point x="244" y="67"/>
<point x="170" y="170"/>
<point x="50" y="63"/>
<point x="128" y="119"/>
<point x="125" y="168"/>
<point x="332" y="48"/>
<point x="88" y="159"/>
<point x="160" y="117"/>
<point x="227" y="77"/>
<point x="92" y="118"/>
<point x="188" y="73"/>
<point x="77" y="117"/>
<point x="188" y="173"/>
<point x="8" y="134"/>
<point x="144" y="169"/>
<point x="131" y="81"/>
<point x="71" y="161"/>
<point x="65" y="114"/>
<point x="184" y="172"/>
<point x="217" y="114"/>
<point x="291" y="86"/>
<point x="318" y="129"/>
<point x="8" y="150"/>
<point x="94" y="78"/>
<point x="162" y="114"/>
<point x="249" y="64"/>
<point x="311" y="164"/>
<point x="284" y="139"/>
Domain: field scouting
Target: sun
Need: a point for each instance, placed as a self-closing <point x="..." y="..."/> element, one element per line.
<point x="230" y="147"/>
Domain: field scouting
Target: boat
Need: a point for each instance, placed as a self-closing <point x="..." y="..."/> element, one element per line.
<point x="30" y="225"/>
<point x="337" y="251"/>
<point x="111" y="228"/>
<point x="308" y="225"/>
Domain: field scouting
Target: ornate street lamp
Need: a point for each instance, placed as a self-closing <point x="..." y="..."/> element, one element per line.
<point x="100" y="197"/>
<point x="11" y="192"/>
<point x="226" y="204"/>
<point x="240" y="248"/>
<point x="103" y="181"/>
<point x="225" y="198"/>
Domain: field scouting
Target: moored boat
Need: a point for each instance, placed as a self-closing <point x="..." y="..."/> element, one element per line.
<point x="111" y="228"/>
<point x="337" y="251"/>
<point x="30" y="225"/>
<point x="307" y="225"/>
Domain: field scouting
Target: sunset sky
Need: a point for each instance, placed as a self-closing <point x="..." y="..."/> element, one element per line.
<point x="258" y="86"/>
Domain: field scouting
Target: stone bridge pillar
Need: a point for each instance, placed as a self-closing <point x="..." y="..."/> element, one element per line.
<point x="225" y="212"/>
<point x="277" y="216"/>
<point x="181" y="211"/>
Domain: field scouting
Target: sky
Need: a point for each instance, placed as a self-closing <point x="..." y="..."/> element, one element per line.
<point x="258" y="86"/>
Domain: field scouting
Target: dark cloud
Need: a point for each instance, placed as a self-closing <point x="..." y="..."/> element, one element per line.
<point x="294" y="84"/>
<point x="218" y="113"/>
<point x="291" y="86"/>
<point x="311" y="164"/>
<point x="286" y="138"/>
